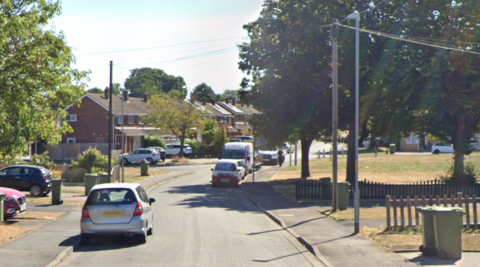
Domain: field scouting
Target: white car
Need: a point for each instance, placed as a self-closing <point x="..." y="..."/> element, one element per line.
<point x="117" y="209"/>
<point x="269" y="157"/>
<point x="172" y="150"/>
<point x="442" y="148"/>
<point x="148" y="154"/>
<point x="287" y="148"/>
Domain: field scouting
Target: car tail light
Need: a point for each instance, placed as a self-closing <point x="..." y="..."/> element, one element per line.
<point x="138" y="210"/>
<point x="85" y="213"/>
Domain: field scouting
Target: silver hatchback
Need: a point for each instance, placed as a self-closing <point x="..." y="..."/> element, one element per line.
<point x="117" y="209"/>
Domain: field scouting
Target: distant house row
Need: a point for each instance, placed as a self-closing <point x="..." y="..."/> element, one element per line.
<point x="90" y="123"/>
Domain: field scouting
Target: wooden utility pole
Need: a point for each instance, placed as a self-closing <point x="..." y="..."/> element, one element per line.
<point x="110" y="122"/>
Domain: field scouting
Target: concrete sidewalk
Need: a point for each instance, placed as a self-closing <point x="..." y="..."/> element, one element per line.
<point x="334" y="243"/>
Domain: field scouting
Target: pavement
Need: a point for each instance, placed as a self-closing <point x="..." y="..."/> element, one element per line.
<point x="332" y="242"/>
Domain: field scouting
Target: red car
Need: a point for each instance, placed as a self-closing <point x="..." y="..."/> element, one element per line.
<point x="14" y="203"/>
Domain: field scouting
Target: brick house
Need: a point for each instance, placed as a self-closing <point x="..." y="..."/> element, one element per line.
<point x="222" y="116"/>
<point x="90" y="124"/>
<point x="242" y="114"/>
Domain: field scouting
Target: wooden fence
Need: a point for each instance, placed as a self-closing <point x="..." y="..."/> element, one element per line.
<point x="69" y="174"/>
<point x="402" y="212"/>
<point x="315" y="189"/>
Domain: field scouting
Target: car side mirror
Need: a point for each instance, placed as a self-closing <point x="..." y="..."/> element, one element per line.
<point x="151" y="200"/>
<point x="211" y="169"/>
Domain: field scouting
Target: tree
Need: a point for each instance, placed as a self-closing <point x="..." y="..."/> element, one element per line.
<point x="207" y="129"/>
<point x="220" y="139"/>
<point x="153" y="81"/>
<point x="37" y="79"/>
<point x="95" y="90"/>
<point x="230" y="94"/>
<point x="176" y="115"/>
<point x="203" y="91"/>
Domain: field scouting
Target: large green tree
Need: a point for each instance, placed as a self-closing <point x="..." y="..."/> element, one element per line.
<point x="36" y="77"/>
<point x="153" y="81"/>
<point x="168" y="112"/>
<point x="203" y="92"/>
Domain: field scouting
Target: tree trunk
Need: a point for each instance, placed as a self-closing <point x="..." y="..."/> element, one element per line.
<point x="351" y="154"/>
<point x="459" y="149"/>
<point x="305" y="143"/>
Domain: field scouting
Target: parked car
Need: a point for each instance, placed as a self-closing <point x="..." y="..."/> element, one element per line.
<point x="150" y="155"/>
<point x="36" y="179"/>
<point x="15" y="202"/>
<point x="228" y="172"/>
<point x="442" y="148"/>
<point x="287" y="148"/>
<point x="172" y="150"/>
<point x="245" y="138"/>
<point x="117" y="209"/>
<point x="269" y="157"/>
<point x="160" y="150"/>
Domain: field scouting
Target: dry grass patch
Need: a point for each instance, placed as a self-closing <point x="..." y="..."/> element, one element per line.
<point x="134" y="175"/>
<point x="177" y="159"/>
<point x="10" y="232"/>
<point x="375" y="213"/>
<point x="40" y="215"/>
<point x="48" y="200"/>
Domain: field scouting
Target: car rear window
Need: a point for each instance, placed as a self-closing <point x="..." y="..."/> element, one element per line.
<point x="112" y="196"/>
<point x="225" y="167"/>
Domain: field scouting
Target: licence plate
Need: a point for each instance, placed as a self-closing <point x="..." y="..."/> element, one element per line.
<point x="112" y="213"/>
<point x="22" y="208"/>
<point x="225" y="180"/>
<point x="266" y="160"/>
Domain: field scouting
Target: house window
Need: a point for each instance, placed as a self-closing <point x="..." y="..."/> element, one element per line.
<point x="130" y="119"/>
<point x="70" y="140"/>
<point x="412" y="139"/>
<point x="71" y="117"/>
<point x="120" y="120"/>
<point x="140" y="121"/>
<point x="228" y="119"/>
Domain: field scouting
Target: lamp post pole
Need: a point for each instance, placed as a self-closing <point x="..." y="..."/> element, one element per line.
<point x="356" y="16"/>
<point x="123" y="141"/>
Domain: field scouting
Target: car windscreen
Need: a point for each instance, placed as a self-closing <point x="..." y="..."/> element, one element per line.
<point x="233" y="154"/>
<point x="113" y="196"/>
<point x="225" y="167"/>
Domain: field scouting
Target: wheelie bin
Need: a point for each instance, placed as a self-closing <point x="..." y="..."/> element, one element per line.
<point x="104" y="178"/>
<point x="392" y="148"/>
<point x="448" y="224"/>
<point x="144" y="168"/>
<point x="57" y="186"/>
<point x="90" y="182"/>
<point x="2" y="198"/>
<point x="326" y="185"/>
<point x="428" y="234"/>
<point x="343" y="195"/>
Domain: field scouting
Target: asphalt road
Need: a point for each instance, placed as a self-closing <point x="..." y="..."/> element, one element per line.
<point x="197" y="225"/>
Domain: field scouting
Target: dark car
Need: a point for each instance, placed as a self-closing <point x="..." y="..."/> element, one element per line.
<point x="15" y="202"/>
<point x="35" y="179"/>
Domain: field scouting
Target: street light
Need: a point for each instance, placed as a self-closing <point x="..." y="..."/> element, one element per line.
<point x="356" y="196"/>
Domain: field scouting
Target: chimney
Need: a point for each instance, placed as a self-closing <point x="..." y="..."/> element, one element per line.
<point x="233" y="101"/>
<point x="106" y="92"/>
<point x="145" y="97"/>
<point x="241" y="103"/>
<point x="227" y="101"/>
<point x="204" y="101"/>
<point x="125" y="95"/>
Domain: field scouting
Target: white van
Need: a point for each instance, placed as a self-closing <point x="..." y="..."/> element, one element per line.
<point x="239" y="150"/>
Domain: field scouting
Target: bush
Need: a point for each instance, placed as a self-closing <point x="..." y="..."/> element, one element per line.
<point x="90" y="159"/>
<point x="151" y="141"/>
<point x="198" y="148"/>
<point x="469" y="175"/>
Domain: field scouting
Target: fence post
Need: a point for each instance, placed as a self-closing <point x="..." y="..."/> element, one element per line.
<point x="402" y="214"/>
<point x="409" y="210"/>
<point x="395" y="219"/>
<point x="467" y="211"/>
<point x="387" y="205"/>
<point x="417" y="220"/>
<point x="474" y="206"/>
<point x="459" y="199"/>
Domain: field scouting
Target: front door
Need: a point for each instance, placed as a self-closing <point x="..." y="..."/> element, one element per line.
<point x="137" y="142"/>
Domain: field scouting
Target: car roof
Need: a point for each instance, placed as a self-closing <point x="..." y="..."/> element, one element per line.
<point x="25" y="166"/>
<point x="132" y="186"/>
<point x="231" y="161"/>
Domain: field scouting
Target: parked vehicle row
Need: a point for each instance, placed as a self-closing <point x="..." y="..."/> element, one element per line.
<point x="150" y="155"/>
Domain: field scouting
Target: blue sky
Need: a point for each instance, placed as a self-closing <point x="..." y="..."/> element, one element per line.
<point x="195" y="39"/>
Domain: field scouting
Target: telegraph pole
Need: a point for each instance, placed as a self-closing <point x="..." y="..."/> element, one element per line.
<point x="335" y="116"/>
<point x="110" y="120"/>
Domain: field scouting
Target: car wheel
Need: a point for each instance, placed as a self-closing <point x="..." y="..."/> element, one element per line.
<point x="150" y="231"/>
<point x="36" y="190"/>
<point x="436" y="151"/>
<point x="85" y="240"/>
<point x="125" y="161"/>
<point x="142" y="238"/>
<point x="149" y="161"/>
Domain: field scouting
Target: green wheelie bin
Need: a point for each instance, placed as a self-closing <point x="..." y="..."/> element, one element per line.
<point x="428" y="234"/>
<point x="90" y="182"/>
<point x="448" y="224"/>
<point x="57" y="186"/>
<point x="144" y="168"/>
